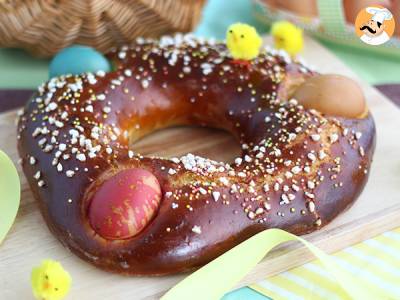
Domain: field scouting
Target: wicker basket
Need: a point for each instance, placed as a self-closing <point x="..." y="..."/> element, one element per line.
<point x="45" y="26"/>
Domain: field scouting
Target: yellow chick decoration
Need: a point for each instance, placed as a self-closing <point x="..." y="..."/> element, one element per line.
<point x="287" y="37"/>
<point x="243" y="42"/>
<point x="50" y="281"/>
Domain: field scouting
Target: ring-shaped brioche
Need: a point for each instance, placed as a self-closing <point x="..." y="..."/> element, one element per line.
<point x="299" y="168"/>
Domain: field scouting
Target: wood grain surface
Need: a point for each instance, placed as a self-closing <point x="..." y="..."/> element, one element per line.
<point x="377" y="210"/>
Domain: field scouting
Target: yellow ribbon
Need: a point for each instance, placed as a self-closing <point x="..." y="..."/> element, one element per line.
<point x="219" y="276"/>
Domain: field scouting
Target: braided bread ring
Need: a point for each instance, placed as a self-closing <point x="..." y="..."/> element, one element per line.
<point x="299" y="168"/>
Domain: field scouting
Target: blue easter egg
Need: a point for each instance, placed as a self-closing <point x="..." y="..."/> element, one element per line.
<point x="76" y="60"/>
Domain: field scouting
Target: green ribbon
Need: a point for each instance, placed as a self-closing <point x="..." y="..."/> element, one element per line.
<point x="10" y="193"/>
<point x="219" y="276"/>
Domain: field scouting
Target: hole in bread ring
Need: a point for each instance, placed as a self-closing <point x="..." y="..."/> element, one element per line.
<point x="200" y="140"/>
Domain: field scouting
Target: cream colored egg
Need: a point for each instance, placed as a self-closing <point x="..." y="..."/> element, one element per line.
<point x="332" y="94"/>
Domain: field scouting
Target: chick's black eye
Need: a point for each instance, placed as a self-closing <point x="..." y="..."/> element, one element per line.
<point x="242" y="36"/>
<point x="230" y="31"/>
<point x="46" y="276"/>
<point x="56" y="289"/>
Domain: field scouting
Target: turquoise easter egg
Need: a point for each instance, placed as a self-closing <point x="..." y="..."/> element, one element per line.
<point x="76" y="60"/>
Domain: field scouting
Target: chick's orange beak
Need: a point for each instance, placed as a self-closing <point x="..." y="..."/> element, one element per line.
<point x="278" y="41"/>
<point x="234" y="37"/>
<point x="46" y="285"/>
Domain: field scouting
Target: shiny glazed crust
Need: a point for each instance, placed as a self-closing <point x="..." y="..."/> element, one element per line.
<point x="299" y="169"/>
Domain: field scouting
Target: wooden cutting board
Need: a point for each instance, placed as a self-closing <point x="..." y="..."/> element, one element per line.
<point x="377" y="210"/>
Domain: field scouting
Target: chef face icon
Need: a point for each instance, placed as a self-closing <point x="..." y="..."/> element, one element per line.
<point x="375" y="25"/>
<point x="372" y="28"/>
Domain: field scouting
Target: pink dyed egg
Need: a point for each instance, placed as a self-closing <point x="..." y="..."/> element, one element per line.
<point x="124" y="204"/>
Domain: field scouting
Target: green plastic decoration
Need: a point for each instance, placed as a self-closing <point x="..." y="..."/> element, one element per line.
<point x="10" y="193"/>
